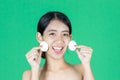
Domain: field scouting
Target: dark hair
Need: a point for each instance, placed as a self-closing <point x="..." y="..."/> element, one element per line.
<point x="48" y="17"/>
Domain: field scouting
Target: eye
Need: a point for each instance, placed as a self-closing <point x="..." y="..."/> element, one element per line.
<point x="52" y="34"/>
<point x="66" y="34"/>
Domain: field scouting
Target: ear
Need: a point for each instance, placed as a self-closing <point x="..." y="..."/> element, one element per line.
<point x="38" y="37"/>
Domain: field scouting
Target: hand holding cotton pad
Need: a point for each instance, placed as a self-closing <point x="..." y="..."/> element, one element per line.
<point x="44" y="46"/>
<point x="71" y="45"/>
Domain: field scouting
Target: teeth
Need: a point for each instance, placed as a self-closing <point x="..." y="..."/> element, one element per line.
<point x="58" y="48"/>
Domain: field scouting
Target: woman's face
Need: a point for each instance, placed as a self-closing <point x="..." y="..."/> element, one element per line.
<point x="57" y="36"/>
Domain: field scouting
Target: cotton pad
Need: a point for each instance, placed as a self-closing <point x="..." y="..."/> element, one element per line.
<point x="71" y="45"/>
<point x="44" y="47"/>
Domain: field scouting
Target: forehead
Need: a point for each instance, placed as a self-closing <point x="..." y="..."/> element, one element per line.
<point x="57" y="26"/>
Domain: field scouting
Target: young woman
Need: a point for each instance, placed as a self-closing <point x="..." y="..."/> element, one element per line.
<point x="55" y="29"/>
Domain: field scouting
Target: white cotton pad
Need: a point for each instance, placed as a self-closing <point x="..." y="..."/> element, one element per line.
<point x="71" y="45"/>
<point x="44" y="47"/>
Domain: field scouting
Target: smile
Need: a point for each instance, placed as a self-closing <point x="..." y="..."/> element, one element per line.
<point x="58" y="50"/>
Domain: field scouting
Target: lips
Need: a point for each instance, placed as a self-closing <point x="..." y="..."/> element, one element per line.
<point x="58" y="50"/>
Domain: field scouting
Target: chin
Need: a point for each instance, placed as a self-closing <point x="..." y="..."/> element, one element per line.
<point x="56" y="55"/>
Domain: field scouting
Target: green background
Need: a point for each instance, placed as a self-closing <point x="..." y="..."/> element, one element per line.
<point x="96" y="23"/>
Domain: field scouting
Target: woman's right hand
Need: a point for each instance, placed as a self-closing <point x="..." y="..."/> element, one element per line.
<point x="34" y="57"/>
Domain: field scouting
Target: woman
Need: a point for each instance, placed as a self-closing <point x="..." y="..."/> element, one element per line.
<point x="55" y="29"/>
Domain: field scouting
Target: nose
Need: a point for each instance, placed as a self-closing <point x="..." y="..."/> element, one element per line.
<point x="59" y="39"/>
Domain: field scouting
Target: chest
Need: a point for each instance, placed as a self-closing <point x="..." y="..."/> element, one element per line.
<point x="62" y="75"/>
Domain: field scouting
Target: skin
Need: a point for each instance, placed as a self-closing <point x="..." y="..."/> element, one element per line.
<point x="57" y="36"/>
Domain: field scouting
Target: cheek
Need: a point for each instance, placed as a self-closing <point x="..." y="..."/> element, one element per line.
<point x="48" y="40"/>
<point x="67" y="41"/>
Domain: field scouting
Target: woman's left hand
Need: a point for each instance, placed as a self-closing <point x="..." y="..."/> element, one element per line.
<point x="84" y="53"/>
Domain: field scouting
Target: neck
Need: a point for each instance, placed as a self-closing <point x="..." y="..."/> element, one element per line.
<point x="55" y="64"/>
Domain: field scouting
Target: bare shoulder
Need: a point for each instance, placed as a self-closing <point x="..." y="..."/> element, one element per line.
<point x="26" y="75"/>
<point x="79" y="68"/>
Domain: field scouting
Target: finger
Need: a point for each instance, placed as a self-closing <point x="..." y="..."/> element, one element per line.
<point x="79" y="54"/>
<point x="85" y="56"/>
<point x="80" y="46"/>
<point x="32" y="56"/>
<point x="35" y="56"/>
<point x="84" y="48"/>
<point x="31" y="53"/>
<point x="39" y="57"/>
<point x="87" y="52"/>
<point x="84" y="51"/>
<point x="38" y="54"/>
<point x="37" y="48"/>
<point x="31" y="59"/>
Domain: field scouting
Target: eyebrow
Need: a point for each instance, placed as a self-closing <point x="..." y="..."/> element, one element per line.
<point x="65" y="31"/>
<point x="56" y="30"/>
<point x="51" y="30"/>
